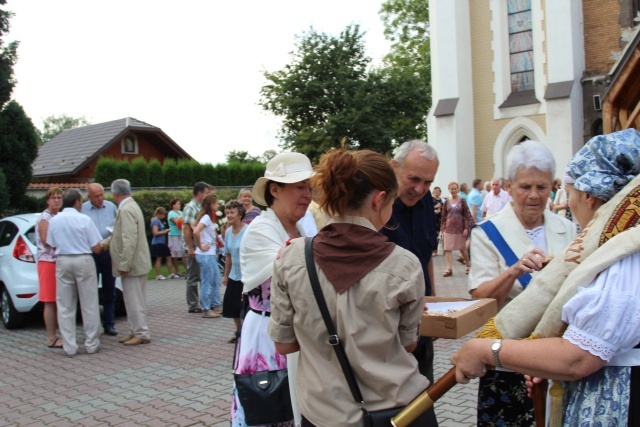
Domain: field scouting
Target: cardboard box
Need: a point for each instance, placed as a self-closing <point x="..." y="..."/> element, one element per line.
<point x="458" y="323"/>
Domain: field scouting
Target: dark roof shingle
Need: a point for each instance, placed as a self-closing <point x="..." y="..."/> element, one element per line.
<point x="65" y="152"/>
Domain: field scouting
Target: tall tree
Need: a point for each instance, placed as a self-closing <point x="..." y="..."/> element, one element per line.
<point x="328" y="94"/>
<point x="8" y="57"/>
<point x="407" y="27"/>
<point x="19" y="148"/>
<point x="53" y="125"/>
<point x="18" y="137"/>
<point x="313" y="93"/>
<point x="240" y="156"/>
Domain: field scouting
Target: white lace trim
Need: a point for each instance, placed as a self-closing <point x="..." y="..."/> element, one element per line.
<point x="590" y="343"/>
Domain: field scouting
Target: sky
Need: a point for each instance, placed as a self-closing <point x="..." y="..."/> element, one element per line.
<point x="193" y="68"/>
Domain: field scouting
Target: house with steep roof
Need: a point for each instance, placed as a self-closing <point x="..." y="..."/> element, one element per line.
<point x="71" y="156"/>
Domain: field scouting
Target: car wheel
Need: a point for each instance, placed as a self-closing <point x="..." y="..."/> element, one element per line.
<point x="11" y="318"/>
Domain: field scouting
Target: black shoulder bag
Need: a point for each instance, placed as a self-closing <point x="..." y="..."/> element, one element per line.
<point x="381" y="418"/>
<point x="264" y="395"/>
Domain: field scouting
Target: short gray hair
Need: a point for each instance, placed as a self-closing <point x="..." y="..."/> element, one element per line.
<point x="530" y="154"/>
<point x="121" y="187"/>
<point x="425" y="150"/>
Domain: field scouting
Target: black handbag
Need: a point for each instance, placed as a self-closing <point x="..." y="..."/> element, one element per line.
<point x="381" y="418"/>
<point x="264" y="395"/>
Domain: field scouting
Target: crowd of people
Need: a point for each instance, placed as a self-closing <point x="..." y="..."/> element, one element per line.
<point x="375" y="226"/>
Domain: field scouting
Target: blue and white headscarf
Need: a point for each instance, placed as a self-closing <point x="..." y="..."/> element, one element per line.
<point x="605" y="164"/>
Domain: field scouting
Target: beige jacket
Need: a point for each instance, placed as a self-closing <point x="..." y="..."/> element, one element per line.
<point x="374" y="319"/>
<point x="128" y="244"/>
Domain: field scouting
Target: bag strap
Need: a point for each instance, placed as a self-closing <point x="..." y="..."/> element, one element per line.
<point x="333" y="335"/>
<point x="504" y="249"/>
<point x="243" y="313"/>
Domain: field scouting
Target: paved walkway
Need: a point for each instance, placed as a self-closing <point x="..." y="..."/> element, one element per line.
<point x="182" y="378"/>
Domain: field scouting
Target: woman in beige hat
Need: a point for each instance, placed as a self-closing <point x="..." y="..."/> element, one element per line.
<point x="286" y="192"/>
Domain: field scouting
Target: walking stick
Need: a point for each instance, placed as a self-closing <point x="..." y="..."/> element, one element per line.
<point x="540" y="402"/>
<point x="425" y="400"/>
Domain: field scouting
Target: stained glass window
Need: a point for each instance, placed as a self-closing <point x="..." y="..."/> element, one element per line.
<point x="520" y="45"/>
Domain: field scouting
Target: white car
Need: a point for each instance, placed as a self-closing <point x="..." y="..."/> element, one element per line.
<point x="19" y="273"/>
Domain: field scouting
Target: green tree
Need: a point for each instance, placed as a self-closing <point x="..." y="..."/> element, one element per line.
<point x="240" y="156"/>
<point x="209" y="174"/>
<point x="4" y="193"/>
<point x="53" y="125"/>
<point x="328" y="94"/>
<point x="185" y="173"/>
<point x="170" y="173"/>
<point x="17" y="133"/>
<point x="19" y="148"/>
<point x="156" y="179"/>
<point x="139" y="172"/>
<point x="196" y="171"/>
<point x="407" y="27"/>
<point x="123" y="169"/>
<point x="106" y="171"/>
<point x="313" y="92"/>
<point x="8" y="57"/>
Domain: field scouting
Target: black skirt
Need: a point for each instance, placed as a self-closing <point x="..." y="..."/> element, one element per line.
<point x="232" y="301"/>
<point x="160" y="250"/>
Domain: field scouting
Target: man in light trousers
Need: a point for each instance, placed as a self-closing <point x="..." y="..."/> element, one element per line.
<point x="75" y="237"/>
<point x="131" y="261"/>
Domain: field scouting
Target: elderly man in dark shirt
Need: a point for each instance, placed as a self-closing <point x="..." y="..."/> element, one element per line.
<point x="412" y="226"/>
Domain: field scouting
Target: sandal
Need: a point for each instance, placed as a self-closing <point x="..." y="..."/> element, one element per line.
<point x="447" y="272"/>
<point x="55" y="343"/>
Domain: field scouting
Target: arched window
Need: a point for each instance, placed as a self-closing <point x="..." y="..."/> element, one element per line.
<point x="129" y="144"/>
<point x="520" y="45"/>
<point x="517" y="130"/>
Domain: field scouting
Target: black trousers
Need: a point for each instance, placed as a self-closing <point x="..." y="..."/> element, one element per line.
<point x="424" y="355"/>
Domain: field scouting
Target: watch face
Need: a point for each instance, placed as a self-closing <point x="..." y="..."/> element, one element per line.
<point x="495" y="346"/>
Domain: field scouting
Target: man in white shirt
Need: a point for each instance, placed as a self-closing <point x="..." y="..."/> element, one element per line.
<point x="495" y="200"/>
<point x="75" y="237"/>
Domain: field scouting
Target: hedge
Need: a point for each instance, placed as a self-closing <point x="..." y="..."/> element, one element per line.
<point x="181" y="173"/>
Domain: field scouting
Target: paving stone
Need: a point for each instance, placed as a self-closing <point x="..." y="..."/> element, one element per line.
<point x="170" y="382"/>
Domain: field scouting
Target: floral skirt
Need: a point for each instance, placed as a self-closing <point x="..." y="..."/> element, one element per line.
<point x="503" y="401"/>
<point x="256" y="352"/>
<point x="600" y="399"/>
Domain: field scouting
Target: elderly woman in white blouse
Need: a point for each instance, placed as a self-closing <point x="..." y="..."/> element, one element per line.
<point x="508" y="249"/>
<point x="584" y="308"/>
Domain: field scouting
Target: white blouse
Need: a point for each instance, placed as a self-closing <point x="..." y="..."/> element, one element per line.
<point x="604" y="317"/>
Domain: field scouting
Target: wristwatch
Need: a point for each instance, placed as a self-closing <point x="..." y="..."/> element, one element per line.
<point x="495" y="349"/>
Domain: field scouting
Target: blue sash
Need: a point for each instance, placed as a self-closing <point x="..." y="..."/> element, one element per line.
<point x="504" y="249"/>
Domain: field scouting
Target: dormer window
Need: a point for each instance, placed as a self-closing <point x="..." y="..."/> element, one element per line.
<point x="129" y="144"/>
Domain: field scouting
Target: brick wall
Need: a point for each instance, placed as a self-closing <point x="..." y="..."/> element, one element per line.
<point x="601" y="34"/>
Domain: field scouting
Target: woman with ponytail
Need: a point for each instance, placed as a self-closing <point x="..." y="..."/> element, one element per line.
<point x="374" y="293"/>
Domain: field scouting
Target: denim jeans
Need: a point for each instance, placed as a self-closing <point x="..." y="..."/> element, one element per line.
<point x="209" y="282"/>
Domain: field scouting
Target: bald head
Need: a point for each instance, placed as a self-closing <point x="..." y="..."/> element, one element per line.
<point x="95" y="193"/>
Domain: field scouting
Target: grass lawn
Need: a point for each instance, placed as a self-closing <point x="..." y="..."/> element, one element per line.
<point x="164" y="270"/>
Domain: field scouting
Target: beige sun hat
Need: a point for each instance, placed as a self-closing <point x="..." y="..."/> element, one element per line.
<point x="286" y="168"/>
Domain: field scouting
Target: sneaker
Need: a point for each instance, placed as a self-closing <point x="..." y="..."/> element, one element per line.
<point x="218" y="309"/>
<point x="161" y="277"/>
<point x="210" y="314"/>
<point x="172" y="276"/>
